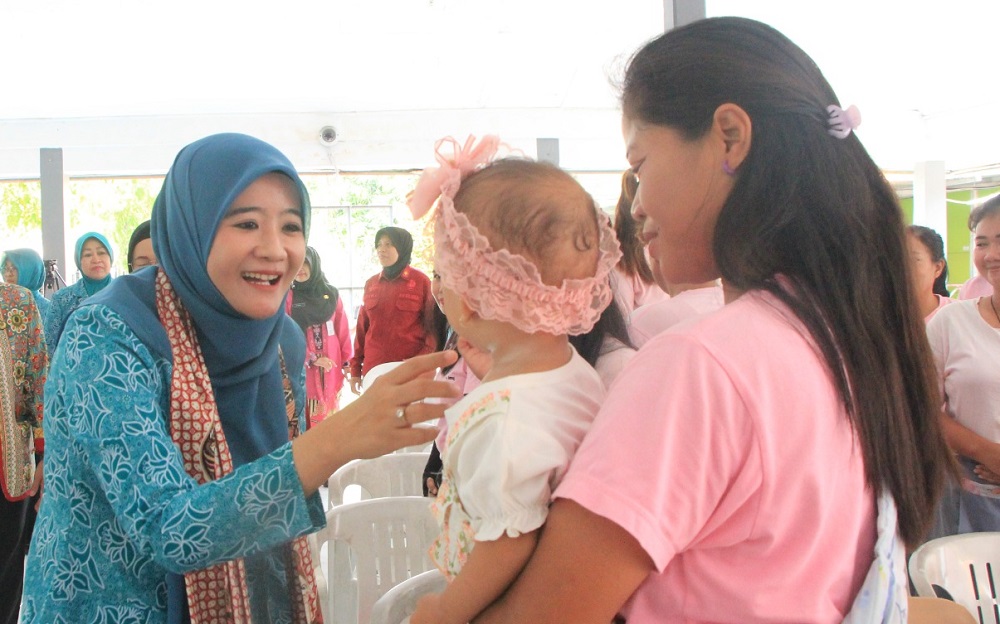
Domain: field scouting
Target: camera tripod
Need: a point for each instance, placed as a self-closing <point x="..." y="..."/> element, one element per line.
<point x="53" y="279"/>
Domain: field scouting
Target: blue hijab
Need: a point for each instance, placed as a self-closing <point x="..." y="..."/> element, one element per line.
<point x="91" y="285"/>
<point x="30" y="268"/>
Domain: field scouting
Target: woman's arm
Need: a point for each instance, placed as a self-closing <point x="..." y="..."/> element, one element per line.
<point x="970" y="444"/>
<point x="36" y="366"/>
<point x="357" y="361"/>
<point x="53" y="320"/>
<point x="368" y="427"/>
<point x="107" y="397"/>
<point x="343" y="334"/>
<point x="584" y="569"/>
<point x="491" y="568"/>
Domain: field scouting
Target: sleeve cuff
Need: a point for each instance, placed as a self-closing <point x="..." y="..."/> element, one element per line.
<point x="512" y="525"/>
<point x="596" y="498"/>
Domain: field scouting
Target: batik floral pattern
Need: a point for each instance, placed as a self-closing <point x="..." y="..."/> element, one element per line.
<point x="62" y="304"/>
<point x="120" y="512"/>
<point x="25" y="362"/>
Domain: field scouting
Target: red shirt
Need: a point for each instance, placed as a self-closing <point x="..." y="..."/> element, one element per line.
<point x="394" y="320"/>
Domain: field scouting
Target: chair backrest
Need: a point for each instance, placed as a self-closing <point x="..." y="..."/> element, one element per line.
<point x="399" y="603"/>
<point x="375" y="372"/>
<point x="388" y="538"/>
<point x="398" y="474"/>
<point x="964" y="566"/>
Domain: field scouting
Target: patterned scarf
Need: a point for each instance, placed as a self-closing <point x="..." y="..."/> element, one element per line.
<point x="219" y="593"/>
<point x="17" y="451"/>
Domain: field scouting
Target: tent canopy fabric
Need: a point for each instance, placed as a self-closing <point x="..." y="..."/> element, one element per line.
<point x="122" y="86"/>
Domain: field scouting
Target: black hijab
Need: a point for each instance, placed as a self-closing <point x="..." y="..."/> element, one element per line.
<point x="140" y="234"/>
<point x="403" y="243"/>
<point x="314" y="300"/>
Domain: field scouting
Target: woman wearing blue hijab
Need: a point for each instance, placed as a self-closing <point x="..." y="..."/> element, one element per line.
<point x="173" y="491"/>
<point x="24" y="267"/>
<point x="93" y="258"/>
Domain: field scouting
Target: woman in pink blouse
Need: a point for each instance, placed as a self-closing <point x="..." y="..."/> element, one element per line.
<point x="319" y="311"/>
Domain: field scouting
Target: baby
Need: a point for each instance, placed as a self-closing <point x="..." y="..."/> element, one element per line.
<point x="524" y="256"/>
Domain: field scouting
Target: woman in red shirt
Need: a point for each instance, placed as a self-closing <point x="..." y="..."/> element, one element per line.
<point x="394" y="321"/>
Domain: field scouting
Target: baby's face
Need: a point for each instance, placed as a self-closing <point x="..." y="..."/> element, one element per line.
<point x="450" y="304"/>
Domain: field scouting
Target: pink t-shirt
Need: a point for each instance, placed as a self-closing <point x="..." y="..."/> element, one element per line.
<point x="942" y="302"/>
<point x="740" y="476"/>
<point x="975" y="287"/>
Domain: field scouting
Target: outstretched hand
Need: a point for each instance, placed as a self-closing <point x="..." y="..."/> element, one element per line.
<point x="986" y="474"/>
<point x="380" y="421"/>
<point x="374" y="416"/>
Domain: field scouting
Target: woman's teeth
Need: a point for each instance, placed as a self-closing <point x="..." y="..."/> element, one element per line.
<point x="261" y="278"/>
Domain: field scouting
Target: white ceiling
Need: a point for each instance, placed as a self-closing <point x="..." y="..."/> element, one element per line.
<point x="121" y="86"/>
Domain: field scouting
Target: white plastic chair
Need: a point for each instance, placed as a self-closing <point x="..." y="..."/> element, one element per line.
<point x="963" y="566"/>
<point x="388" y="537"/>
<point x="398" y="474"/>
<point x="375" y="373"/>
<point x="399" y="603"/>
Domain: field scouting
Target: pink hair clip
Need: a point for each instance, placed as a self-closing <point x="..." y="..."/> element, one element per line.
<point x="843" y="121"/>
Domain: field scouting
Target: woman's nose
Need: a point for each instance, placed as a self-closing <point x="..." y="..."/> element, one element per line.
<point x="638" y="213"/>
<point x="271" y="245"/>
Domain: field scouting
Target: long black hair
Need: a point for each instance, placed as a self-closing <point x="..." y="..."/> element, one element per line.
<point x="633" y="260"/>
<point x="811" y="220"/>
<point x="594" y="344"/>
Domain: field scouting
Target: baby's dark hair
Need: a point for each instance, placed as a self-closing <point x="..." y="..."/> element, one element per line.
<point x="534" y="209"/>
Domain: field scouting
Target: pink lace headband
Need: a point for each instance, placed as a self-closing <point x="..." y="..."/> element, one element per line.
<point x="498" y="284"/>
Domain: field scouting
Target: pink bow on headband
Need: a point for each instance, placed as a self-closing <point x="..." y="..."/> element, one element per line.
<point x="446" y="179"/>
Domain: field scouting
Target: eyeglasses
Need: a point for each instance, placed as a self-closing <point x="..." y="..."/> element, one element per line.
<point x="141" y="262"/>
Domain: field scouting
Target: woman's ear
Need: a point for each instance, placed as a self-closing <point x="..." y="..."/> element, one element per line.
<point x="733" y="126"/>
<point x="938" y="268"/>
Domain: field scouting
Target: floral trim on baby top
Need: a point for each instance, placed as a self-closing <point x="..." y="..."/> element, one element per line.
<point x="989" y="490"/>
<point x="453" y="544"/>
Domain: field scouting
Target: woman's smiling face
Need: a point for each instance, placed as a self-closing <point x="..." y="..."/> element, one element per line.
<point x="681" y="191"/>
<point x="259" y="246"/>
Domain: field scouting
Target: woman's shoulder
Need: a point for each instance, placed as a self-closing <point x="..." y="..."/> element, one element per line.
<point x="101" y="320"/>
<point x="953" y="312"/>
<point x="67" y="293"/>
<point x="96" y="335"/>
<point x="415" y="274"/>
<point x="13" y="296"/>
<point x="756" y="310"/>
<point x="740" y="338"/>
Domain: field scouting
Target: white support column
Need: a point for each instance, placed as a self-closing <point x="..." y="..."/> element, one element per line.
<point x="929" y="196"/>
<point x="55" y="221"/>
<point x="680" y="12"/>
<point x="547" y="150"/>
